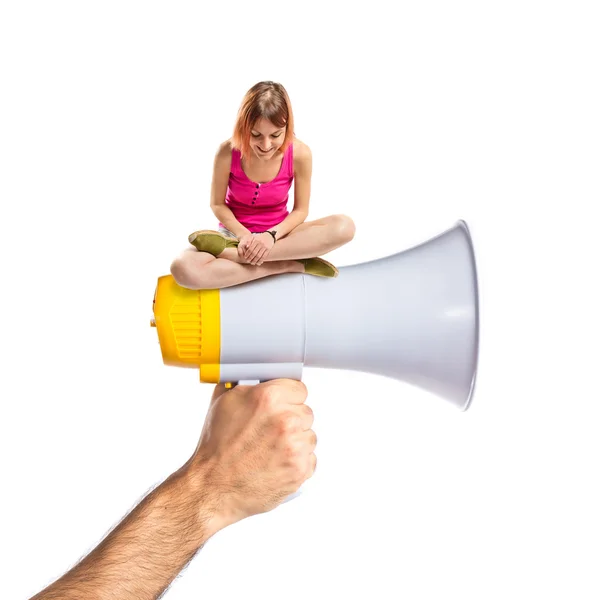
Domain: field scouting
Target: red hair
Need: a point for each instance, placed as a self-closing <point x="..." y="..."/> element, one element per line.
<point x="264" y="100"/>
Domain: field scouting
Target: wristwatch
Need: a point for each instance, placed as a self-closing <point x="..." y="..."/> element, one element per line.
<point x="273" y="233"/>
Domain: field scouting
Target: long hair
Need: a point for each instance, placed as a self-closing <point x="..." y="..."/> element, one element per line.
<point x="264" y="100"/>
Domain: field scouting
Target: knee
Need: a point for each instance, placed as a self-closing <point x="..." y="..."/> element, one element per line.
<point x="181" y="271"/>
<point x="344" y="228"/>
<point x="189" y="270"/>
<point x="178" y="270"/>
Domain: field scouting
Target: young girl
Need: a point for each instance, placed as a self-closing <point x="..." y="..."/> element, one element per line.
<point x="252" y="176"/>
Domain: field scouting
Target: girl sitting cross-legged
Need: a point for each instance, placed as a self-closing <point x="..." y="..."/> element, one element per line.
<point x="252" y="176"/>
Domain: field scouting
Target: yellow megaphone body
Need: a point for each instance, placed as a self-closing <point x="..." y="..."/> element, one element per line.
<point x="411" y="316"/>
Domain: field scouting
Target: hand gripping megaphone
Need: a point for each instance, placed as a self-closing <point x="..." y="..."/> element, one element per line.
<point x="412" y="316"/>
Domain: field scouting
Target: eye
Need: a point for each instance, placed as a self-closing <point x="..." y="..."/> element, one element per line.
<point x="276" y="135"/>
<point x="255" y="135"/>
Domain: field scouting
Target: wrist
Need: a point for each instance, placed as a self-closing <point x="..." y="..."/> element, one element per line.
<point x="272" y="233"/>
<point x="193" y="490"/>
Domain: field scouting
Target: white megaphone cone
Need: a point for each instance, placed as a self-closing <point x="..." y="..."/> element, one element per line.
<point x="412" y="316"/>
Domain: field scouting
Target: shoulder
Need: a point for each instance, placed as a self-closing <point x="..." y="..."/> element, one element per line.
<point x="223" y="155"/>
<point x="224" y="150"/>
<point x="301" y="150"/>
<point x="302" y="156"/>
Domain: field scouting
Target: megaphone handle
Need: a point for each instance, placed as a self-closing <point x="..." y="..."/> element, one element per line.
<point x="255" y="382"/>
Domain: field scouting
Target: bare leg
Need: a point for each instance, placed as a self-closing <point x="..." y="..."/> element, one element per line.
<point x="313" y="238"/>
<point x="202" y="271"/>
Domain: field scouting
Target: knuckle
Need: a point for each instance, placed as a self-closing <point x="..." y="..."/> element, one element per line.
<point x="296" y="464"/>
<point x="289" y="387"/>
<point x="292" y="386"/>
<point x="298" y="472"/>
<point x="287" y="423"/>
<point x="290" y="451"/>
<point x="267" y="398"/>
<point x="300" y="391"/>
<point x="301" y="387"/>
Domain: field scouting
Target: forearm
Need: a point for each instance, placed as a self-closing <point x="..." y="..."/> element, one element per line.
<point x="292" y="221"/>
<point x="140" y="558"/>
<point x="226" y="216"/>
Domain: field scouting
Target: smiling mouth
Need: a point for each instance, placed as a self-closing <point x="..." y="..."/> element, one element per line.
<point x="265" y="151"/>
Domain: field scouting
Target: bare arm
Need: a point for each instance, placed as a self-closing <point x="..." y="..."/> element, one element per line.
<point x="302" y="181"/>
<point x="145" y="552"/>
<point x="264" y="430"/>
<point x="218" y="191"/>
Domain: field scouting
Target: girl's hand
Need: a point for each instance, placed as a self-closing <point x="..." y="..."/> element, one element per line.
<point x="260" y="248"/>
<point x="245" y="243"/>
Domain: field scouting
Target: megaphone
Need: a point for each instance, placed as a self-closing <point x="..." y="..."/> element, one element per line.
<point x="412" y="316"/>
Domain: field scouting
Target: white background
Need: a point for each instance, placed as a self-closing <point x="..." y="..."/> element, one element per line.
<point x="417" y="115"/>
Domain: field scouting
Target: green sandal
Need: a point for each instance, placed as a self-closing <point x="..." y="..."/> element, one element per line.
<point x="212" y="242"/>
<point x="319" y="267"/>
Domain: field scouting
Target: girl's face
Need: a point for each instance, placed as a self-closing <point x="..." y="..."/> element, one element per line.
<point x="266" y="139"/>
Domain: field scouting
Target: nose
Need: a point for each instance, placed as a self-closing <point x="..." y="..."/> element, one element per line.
<point x="265" y="144"/>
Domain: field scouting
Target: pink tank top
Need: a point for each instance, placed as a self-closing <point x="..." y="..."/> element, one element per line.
<point x="259" y="206"/>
